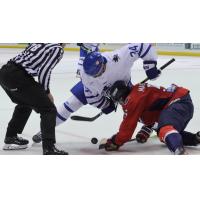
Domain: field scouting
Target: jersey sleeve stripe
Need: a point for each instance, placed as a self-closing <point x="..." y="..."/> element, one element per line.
<point x="141" y="49"/>
<point x="45" y="71"/>
<point x="99" y="101"/>
<point x="145" y="53"/>
<point x="90" y="97"/>
<point x="61" y="117"/>
<point x="101" y="104"/>
<point x="68" y="108"/>
<point x="42" y="71"/>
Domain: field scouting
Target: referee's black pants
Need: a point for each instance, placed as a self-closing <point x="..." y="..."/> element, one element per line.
<point x="27" y="94"/>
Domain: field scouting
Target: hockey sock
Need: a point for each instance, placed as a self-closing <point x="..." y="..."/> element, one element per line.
<point x="174" y="141"/>
<point x="171" y="137"/>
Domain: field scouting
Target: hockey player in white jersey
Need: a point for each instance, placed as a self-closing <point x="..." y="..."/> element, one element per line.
<point x="85" y="48"/>
<point x="99" y="72"/>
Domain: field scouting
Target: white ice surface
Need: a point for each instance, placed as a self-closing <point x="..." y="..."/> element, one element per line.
<point x="74" y="136"/>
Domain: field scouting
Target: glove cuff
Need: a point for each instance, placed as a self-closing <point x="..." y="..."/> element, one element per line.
<point x="151" y="70"/>
<point x="113" y="140"/>
<point x="147" y="129"/>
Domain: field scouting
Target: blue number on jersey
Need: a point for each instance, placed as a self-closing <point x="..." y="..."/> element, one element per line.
<point x="133" y="50"/>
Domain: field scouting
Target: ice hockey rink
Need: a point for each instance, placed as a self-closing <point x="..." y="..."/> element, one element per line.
<point x="74" y="136"/>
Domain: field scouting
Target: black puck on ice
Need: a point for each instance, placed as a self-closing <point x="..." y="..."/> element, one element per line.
<point x="37" y="138"/>
<point x="94" y="140"/>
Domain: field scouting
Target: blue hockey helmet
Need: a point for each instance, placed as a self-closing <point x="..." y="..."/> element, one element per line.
<point x="93" y="64"/>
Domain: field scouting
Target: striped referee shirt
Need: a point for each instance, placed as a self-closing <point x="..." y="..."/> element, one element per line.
<point x="38" y="59"/>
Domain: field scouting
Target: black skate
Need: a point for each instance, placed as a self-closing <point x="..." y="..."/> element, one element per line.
<point x="52" y="150"/>
<point x="15" y="143"/>
<point x="198" y="136"/>
<point x="37" y="138"/>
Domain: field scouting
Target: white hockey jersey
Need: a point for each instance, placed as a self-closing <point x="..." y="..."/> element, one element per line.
<point x="118" y="67"/>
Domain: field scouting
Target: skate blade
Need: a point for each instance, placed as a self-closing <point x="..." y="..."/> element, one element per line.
<point x="14" y="147"/>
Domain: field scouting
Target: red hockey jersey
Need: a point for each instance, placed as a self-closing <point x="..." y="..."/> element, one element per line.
<point x="145" y="102"/>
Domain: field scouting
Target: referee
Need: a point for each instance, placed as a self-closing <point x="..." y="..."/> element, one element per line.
<point x="16" y="78"/>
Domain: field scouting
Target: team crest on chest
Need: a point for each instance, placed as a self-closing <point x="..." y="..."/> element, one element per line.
<point x="116" y="58"/>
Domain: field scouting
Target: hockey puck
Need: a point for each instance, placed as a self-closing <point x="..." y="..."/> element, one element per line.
<point x="94" y="140"/>
<point x="37" y="138"/>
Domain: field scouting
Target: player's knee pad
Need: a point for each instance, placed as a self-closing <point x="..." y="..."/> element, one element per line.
<point x="170" y="136"/>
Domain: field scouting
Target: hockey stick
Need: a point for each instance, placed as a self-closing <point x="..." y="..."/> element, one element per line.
<point x="91" y="119"/>
<point x="86" y="119"/>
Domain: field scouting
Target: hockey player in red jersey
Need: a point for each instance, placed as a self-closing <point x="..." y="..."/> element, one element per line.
<point x="171" y="108"/>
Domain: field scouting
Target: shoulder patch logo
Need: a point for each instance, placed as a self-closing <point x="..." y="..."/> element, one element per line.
<point x="116" y="58"/>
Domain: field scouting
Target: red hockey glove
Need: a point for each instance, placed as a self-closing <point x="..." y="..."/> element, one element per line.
<point x="109" y="144"/>
<point x="143" y="135"/>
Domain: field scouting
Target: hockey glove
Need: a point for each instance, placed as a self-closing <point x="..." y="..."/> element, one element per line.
<point x="109" y="144"/>
<point x="151" y="70"/>
<point x="143" y="135"/>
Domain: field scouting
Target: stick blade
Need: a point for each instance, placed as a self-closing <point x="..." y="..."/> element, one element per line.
<point x="80" y="118"/>
<point x="86" y="119"/>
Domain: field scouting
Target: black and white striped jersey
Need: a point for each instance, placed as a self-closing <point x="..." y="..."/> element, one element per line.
<point x="38" y="59"/>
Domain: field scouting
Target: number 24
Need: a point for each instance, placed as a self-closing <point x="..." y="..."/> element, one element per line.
<point x="133" y="50"/>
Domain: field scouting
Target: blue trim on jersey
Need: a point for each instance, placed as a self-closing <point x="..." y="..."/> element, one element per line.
<point x="141" y="48"/>
<point x="102" y="98"/>
<point x="145" y="53"/>
<point x="83" y="53"/>
<point x="78" y="92"/>
<point x="99" y="106"/>
<point x="60" y="117"/>
<point x="90" y="97"/>
<point x="68" y="108"/>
